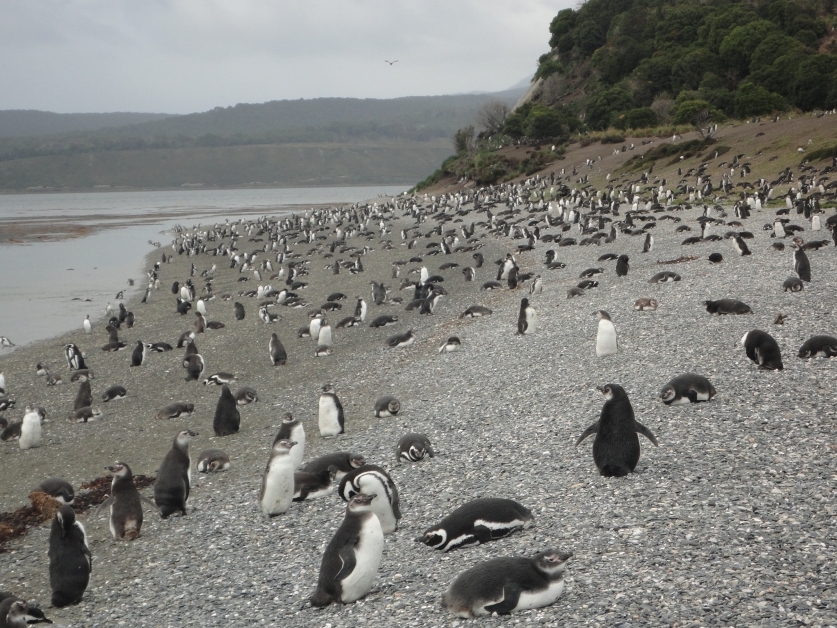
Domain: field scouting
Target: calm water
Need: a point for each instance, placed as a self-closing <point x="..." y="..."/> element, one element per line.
<point x="38" y="282"/>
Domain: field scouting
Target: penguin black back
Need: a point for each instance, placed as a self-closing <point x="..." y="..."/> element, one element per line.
<point x="69" y="558"/>
<point x="227" y="417"/>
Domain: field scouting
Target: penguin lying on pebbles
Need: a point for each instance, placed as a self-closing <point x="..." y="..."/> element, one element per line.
<point x="478" y="521"/>
<point x="114" y="393"/>
<point x="819" y="345"/>
<point x="451" y="344"/>
<point x="727" y="306"/>
<point x="343" y="461"/>
<point x="793" y="284"/>
<point x="212" y="460"/>
<point x="413" y="447"/>
<point x="646" y="304"/>
<point x="309" y="485"/>
<point x="16" y="613"/>
<point x="688" y="388"/>
<point x="762" y="349"/>
<point x="60" y="490"/>
<point x="504" y="585"/>
<point x="665" y="276"/>
<point x="401" y="340"/>
<point x="475" y="311"/>
<point x="387" y="406"/>
<point x="174" y="410"/>
<point x="616" y="447"/>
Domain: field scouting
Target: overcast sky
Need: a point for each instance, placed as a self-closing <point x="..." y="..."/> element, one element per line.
<point x="180" y="56"/>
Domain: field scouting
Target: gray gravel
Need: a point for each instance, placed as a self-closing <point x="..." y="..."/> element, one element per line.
<point x="730" y="522"/>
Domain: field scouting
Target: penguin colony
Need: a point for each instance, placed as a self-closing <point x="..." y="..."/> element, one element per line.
<point x="352" y="558"/>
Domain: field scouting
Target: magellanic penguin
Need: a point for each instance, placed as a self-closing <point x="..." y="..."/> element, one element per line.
<point x="740" y="245"/>
<point x="293" y="430"/>
<point x="16" y="613"/>
<point x="174" y="410"/>
<point x="616" y="447"/>
<point x="343" y="461"/>
<point x="114" y="393"/>
<point x="687" y="388"/>
<point x="360" y="310"/>
<point x="373" y="480"/>
<point x="174" y="479"/>
<point x="801" y="265"/>
<point x="451" y="344"/>
<point x="606" y="335"/>
<point x="75" y="360"/>
<point x="331" y="418"/>
<point x="537" y="285"/>
<point x="194" y="365"/>
<point x="278" y="355"/>
<point x="727" y="306"/>
<point x="649" y="243"/>
<point x="622" y="265"/>
<point x="763" y="349"/>
<point x="227" y="419"/>
<point x="84" y="397"/>
<point x="277" y="490"/>
<point x="478" y="521"/>
<point x="504" y="585"/>
<point x="401" y="340"/>
<point x="387" y="406"/>
<point x="239" y="311"/>
<point x="60" y="490"/>
<point x="212" y="460"/>
<point x="351" y="560"/>
<point x="70" y="560"/>
<point x="413" y="447"/>
<point x="819" y="345"/>
<point x="309" y="485"/>
<point x="125" y="504"/>
<point x="527" y="319"/>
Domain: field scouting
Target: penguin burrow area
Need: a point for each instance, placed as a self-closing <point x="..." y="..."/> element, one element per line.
<point x="730" y="520"/>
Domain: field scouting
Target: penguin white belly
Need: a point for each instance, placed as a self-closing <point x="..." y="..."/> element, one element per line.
<point x="702" y="396"/>
<point x="680" y="402"/>
<point x="537" y="599"/>
<point x="278" y="488"/>
<point x="531" y="321"/>
<point x="110" y="522"/>
<point x="371" y="485"/>
<point x="30" y="432"/>
<point x="606" y="339"/>
<point x="329" y="423"/>
<point x="297" y="452"/>
<point x="368" y="553"/>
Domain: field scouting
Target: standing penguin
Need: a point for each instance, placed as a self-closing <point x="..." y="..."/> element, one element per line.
<point x="174" y="479"/>
<point x="373" y="480"/>
<point x="239" y="311"/>
<point x="138" y="356"/>
<point x="740" y="245"/>
<point x="30" y="429"/>
<point x="88" y="326"/>
<point x="801" y="265"/>
<point x="351" y="560"/>
<point x="649" y="243"/>
<point x="124" y="503"/>
<point x="622" y="265"/>
<point x="227" y="417"/>
<point x="330" y="413"/>
<point x="616" y="447"/>
<point x="84" y="397"/>
<point x="537" y="285"/>
<point x="278" y="355"/>
<point x="360" y="310"/>
<point x="606" y="336"/>
<point x="70" y="560"/>
<point x="527" y="319"/>
<point x="277" y="490"/>
<point x="293" y="430"/>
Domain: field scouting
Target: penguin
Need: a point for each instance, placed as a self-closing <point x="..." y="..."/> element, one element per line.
<point x="2" y="383"/>
<point x="75" y="360"/>
<point x="762" y="349"/>
<point x="527" y="319"/>
<point x="716" y="258"/>
<point x="245" y="395"/>
<point x="665" y="276"/>
<point x="373" y="480"/>
<point x="324" y="337"/>
<point x="342" y="461"/>
<point x="727" y="306"/>
<point x="622" y="266"/>
<point x="351" y="559"/>
<point x="478" y="260"/>
<point x="138" y="356"/>
<point x="688" y="388"/>
<point x="387" y="406"/>
<point x="125" y="504"/>
<point x="16" y="613"/>
<point x="212" y="460"/>
<point x="227" y="419"/>
<point x="60" y="490"/>
<point x="401" y="340"/>
<point x="331" y="419"/>
<point x="312" y="485"/>
<point x="606" y="335"/>
<point x="479" y="521"/>
<point x="194" y="365"/>
<point x="801" y="265"/>
<point x="277" y="489"/>
<point x="383" y="321"/>
<point x="70" y="560"/>
<point x="646" y="304"/>
<point x="219" y="379"/>
<point x="507" y="584"/>
<point x="469" y="273"/>
<point x="740" y="245"/>
<point x="114" y="393"/>
<point x="616" y="447"/>
<point x="88" y="326"/>
<point x="314" y="327"/>
<point x="537" y="285"/>
<point x="30" y="430"/>
<point x="86" y="414"/>
<point x="174" y="479"/>
<point x="278" y="355"/>
<point x="648" y="245"/>
<point x="778" y="228"/>
<point x="84" y="397"/>
<point x="174" y="410"/>
<point x="292" y="429"/>
<point x="819" y="345"/>
<point x="475" y="311"/>
<point x="360" y="310"/>
<point x="413" y="447"/>
<point x="239" y="311"/>
<point x="451" y="344"/>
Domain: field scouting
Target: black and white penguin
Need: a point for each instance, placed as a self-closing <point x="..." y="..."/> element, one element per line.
<point x="648" y="245"/>
<point x="622" y="265"/>
<point x="727" y="306"/>
<point x="277" y="491"/>
<point x="342" y="461"/>
<point x="70" y="560"/>
<point x="527" y="319"/>
<point x="616" y="447"/>
<point x="60" y="490"/>
<point x="227" y="419"/>
<point x="504" y="585"/>
<point x="86" y="414"/>
<point x="413" y="447"/>
<point x="469" y="273"/>
<point x="222" y="378"/>
<point x="309" y="485"/>
<point x="383" y="321"/>
<point x="801" y="265"/>
<point x="245" y="395"/>
<point x="793" y="284"/>
<point x="212" y="460"/>
<point x="687" y="388"/>
<point x="387" y="406"/>
<point x="125" y="504"/>
<point x="401" y="340"/>
<point x="819" y="345"/>
<point x="716" y="258"/>
<point x="478" y="521"/>
<point x="665" y="276"/>
<point x="646" y="304"/>
<point x="360" y="310"/>
<point x="451" y="344"/>
<point x="75" y="360"/>
<point x="278" y="355"/>
<point x="476" y="311"/>
<point x="194" y="365"/>
<point x="605" y="336"/>
<point x="331" y="419"/>
<point x="373" y="480"/>
<point x="239" y="311"/>
<point x="174" y="479"/>
<point x="174" y="410"/>
<point x="114" y="393"/>
<point x="292" y="429"/>
<point x="138" y="356"/>
<point x="762" y="349"/>
<point x="16" y="613"/>
<point x="740" y="245"/>
<point x="537" y="285"/>
<point x="352" y="557"/>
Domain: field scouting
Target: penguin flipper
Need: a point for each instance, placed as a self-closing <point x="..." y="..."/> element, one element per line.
<point x="511" y="596"/>
<point x="347" y="558"/>
<point x="150" y="503"/>
<point x="590" y="430"/>
<point x="108" y="502"/>
<point x="303" y="493"/>
<point x="641" y="429"/>
<point x="692" y="395"/>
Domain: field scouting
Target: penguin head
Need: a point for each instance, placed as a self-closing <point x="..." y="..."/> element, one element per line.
<point x="356" y="461"/>
<point x="602" y="315"/>
<point x="361" y="502"/>
<point x="667" y="394"/>
<point x="66" y="517"/>
<point x="552" y="561"/>
<point x="120" y="470"/>
<point x="433" y="537"/>
<point x="184" y="437"/>
<point x="289" y="419"/>
<point x="283" y="446"/>
<point x="612" y="391"/>
<point x="328" y="389"/>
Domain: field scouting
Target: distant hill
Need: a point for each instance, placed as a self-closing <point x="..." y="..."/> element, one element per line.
<point x="25" y="122"/>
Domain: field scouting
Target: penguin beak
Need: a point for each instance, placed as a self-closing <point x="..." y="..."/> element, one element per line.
<point x="600" y="389"/>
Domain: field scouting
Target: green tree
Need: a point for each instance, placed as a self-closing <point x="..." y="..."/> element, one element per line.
<point x="755" y="100"/>
<point x="463" y="139"/>
<point x="738" y="47"/>
<point x="812" y="81"/>
<point x="697" y="113"/>
<point x="561" y="25"/>
<point x="604" y="106"/>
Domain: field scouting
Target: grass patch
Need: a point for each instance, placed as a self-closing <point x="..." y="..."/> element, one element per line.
<point x="822" y="153"/>
<point x="663" y="151"/>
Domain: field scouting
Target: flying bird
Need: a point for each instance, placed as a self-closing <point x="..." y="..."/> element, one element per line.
<point x="390" y="62"/>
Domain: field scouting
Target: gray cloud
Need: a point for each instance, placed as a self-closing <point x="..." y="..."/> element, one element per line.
<point x="180" y="56"/>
